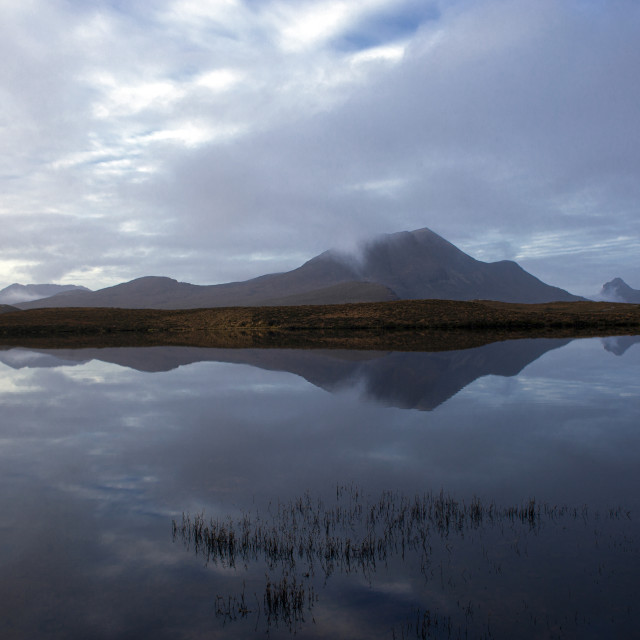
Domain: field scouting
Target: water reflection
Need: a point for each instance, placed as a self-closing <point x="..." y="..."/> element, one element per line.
<point x="408" y="380"/>
<point x="448" y="545"/>
<point x="97" y="459"/>
<point x="618" y="345"/>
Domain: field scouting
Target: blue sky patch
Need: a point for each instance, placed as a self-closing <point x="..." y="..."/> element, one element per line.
<point x="387" y="26"/>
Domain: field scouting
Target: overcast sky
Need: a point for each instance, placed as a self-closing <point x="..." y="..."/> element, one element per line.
<point x="216" y="140"/>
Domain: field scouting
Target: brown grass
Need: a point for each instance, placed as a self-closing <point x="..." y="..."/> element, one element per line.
<point x="405" y="324"/>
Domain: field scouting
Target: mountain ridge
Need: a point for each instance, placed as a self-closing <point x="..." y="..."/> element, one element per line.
<point x="617" y="290"/>
<point x="16" y="293"/>
<point x="408" y="265"/>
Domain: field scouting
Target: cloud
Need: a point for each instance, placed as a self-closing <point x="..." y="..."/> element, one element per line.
<point x="217" y="141"/>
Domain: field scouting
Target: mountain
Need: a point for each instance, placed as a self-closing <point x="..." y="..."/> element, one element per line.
<point x="421" y="264"/>
<point x="7" y="308"/>
<point x="15" y="293"/>
<point x="619" y="291"/>
<point x="407" y="265"/>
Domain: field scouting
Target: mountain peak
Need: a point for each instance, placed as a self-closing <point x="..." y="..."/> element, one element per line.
<point x="421" y="264"/>
<point x="617" y="290"/>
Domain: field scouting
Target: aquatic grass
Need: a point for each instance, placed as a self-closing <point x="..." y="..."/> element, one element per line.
<point x="308" y="539"/>
<point x="353" y="534"/>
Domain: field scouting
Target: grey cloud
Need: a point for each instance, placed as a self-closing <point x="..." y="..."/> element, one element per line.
<point x="480" y="142"/>
<point x="500" y="124"/>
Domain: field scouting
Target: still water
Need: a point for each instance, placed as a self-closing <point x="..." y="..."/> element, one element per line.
<point x="202" y="493"/>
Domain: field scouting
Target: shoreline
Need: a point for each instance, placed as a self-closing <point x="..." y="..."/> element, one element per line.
<point x="407" y="325"/>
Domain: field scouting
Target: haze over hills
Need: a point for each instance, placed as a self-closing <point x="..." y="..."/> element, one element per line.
<point x="617" y="290"/>
<point x="408" y="265"/>
<point x="16" y="293"/>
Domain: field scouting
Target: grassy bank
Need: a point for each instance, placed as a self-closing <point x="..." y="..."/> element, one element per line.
<point x="412" y="324"/>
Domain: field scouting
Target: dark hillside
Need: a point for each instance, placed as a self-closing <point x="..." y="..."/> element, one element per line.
<point x="421" y="265"/>
<point x="7" y="308"/>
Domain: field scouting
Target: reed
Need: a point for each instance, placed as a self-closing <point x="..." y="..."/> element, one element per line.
<point x="306" y="539"/>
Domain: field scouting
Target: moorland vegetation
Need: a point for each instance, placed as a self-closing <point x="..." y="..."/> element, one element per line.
<point x="402" y="324"/>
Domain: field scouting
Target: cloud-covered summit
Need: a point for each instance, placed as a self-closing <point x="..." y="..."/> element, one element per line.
<point x="617" y="290"/>
<point x="217" y="140"/>
<point x="16" y="293"/>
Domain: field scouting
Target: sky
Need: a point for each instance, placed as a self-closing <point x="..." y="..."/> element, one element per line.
<point x="218" y="140"/>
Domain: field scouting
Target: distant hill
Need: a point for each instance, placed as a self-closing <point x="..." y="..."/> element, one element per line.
<point x="619" y="291"/>
<point x="16" y="293"/>
<point x="407" y="265"/>
<point x="7" y="308"/>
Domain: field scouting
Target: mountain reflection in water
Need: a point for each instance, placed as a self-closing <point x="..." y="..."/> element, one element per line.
<point x="407" y="380"/>
<point x="618" y="345"/>
<point x="511" y="510"/>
